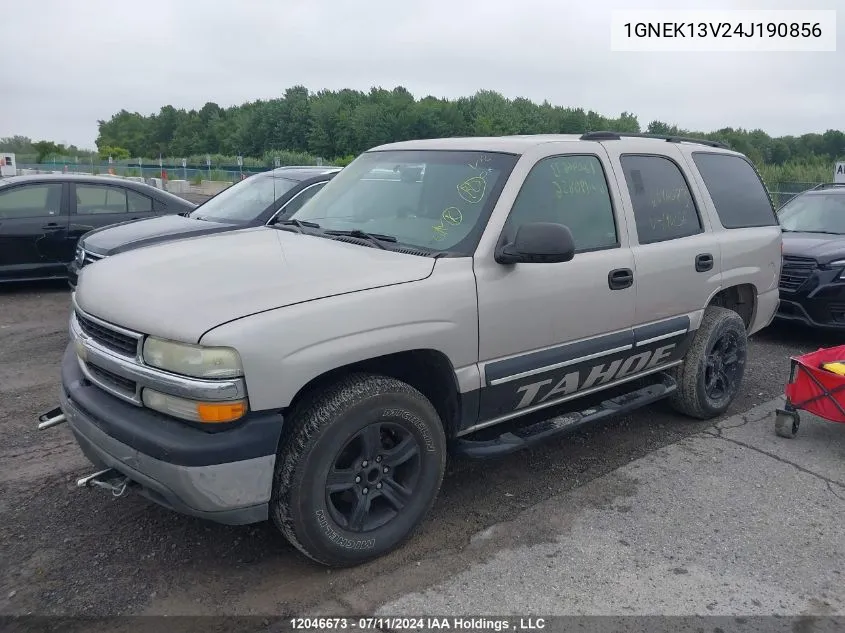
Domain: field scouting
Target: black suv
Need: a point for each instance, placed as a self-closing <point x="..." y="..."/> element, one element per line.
<point x="812" y="281"/>
<point x="260" y="199"/>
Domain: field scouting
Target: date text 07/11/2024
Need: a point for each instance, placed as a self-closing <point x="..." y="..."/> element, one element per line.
<point x="465" y="624"/>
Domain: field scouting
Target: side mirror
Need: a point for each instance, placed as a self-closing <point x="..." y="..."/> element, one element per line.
<point x="538" y="243"/>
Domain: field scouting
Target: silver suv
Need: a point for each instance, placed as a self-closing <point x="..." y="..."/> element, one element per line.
<point x="429" y="299"/>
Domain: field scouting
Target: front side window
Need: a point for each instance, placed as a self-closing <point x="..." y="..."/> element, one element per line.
<point x="96" y="200"/>
<point x="737" y="192"/>
<point x="245" y="200"/>
<point x="569" y="190"/>
<point x="300" y="199"/>
<point x="31" y="201"/>
<point x="662" y="202"/>
<point x="814" y="213"/>
<point x="432" y="199"/>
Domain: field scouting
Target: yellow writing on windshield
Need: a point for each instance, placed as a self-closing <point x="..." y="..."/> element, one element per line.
<point x="451" y="216"/>
<point x="472" y="189"/>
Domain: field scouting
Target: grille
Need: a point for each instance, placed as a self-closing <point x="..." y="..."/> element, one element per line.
<point x="115" y="341"/>
<point x="795" y="271"/>
<point x="124" y="384"/>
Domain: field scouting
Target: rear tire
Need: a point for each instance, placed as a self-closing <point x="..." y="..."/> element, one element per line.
<point x="358" y="468"/>
<point x="713" y="368"/>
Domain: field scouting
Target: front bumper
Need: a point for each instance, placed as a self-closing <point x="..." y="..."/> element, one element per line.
<point x="818" y="302"/>
<point x="224" y="476"/>
<point x="73" y="274"/>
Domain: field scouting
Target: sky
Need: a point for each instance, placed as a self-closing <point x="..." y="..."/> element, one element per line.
<point x="65" y="65"/>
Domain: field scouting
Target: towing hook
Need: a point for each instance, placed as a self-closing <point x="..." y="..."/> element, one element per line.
<point x="53" y="417"/>
<point x="110" y="479"/>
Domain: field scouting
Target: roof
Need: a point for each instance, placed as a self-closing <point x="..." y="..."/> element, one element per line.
<point x="108" y="180"/>
<point x="301" y="172"/>
<point x="828" y="187"/>
<point x="521" y="143"/>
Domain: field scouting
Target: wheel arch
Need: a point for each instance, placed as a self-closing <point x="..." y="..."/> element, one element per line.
<point x="741" y="298"/>
<point x="428" y="370"/>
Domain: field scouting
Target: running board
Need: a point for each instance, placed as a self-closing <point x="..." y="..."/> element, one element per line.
<point x="512" y="441"/>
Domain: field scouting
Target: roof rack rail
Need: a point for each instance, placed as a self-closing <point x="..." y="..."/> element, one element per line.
<point x="826" y="185"/>
<point x="616" y="136"/>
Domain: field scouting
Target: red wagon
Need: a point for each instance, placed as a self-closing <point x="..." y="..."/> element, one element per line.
<point x="812" y="389"/>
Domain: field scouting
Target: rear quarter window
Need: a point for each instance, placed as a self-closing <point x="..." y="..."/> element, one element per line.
<point x="740" y="198"/>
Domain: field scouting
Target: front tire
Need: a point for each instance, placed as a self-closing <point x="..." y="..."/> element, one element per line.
<point x="713" y="368"/>
<point x="359" y="467"/>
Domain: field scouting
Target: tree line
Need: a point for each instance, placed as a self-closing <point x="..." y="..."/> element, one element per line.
<point x="338" y="125"/>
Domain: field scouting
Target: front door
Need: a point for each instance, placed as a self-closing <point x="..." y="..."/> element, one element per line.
<point x="33" y="231"/>
<point x="547" y="331"/>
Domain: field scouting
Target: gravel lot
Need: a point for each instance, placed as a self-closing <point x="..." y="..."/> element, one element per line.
<point x="72" y="552"/>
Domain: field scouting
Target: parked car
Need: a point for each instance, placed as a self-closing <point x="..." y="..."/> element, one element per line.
<point x="316" y="372"/>
<point x="260" y="199"/>
<point x="43" y="216"/>
<point x="812" y="281"/>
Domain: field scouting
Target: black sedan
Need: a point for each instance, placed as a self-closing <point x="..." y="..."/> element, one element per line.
<point x="255" y="201"/>
<point x="43" y="216"/>
<point x="812" y="282"/>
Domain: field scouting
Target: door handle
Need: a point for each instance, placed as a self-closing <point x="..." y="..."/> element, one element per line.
<point x="703" y="262"/>
<point x="52" y="226"/>
<point x="620" y="278"/>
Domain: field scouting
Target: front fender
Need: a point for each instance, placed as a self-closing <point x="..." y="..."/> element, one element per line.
<point x="284" y="349"/>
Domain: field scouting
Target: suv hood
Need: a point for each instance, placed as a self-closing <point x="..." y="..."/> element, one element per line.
<point x="180" y="290"/>
<point x="820" y="246"/>
<point x="116" y="238"/>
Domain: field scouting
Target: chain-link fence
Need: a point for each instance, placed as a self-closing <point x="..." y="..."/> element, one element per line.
<point x="170" y="172"/>
<point x="781" y="192"/>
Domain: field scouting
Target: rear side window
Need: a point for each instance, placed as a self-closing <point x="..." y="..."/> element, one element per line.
<point x="737" y="192"/>
<point x="137" y="202"/>
<point x="662" y="202"/>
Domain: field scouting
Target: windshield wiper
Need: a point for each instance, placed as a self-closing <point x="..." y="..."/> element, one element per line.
<point x="296" y="225"/>
<point x="374" y="238"/>
<point x="822" y="232"/>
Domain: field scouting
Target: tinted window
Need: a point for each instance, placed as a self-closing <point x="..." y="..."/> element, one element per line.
<point x="814" y="213"/>
<point x="570" y="190"/>
<point x="739" y="196"/>
<point x="31" y="201"/>
<point x="663" y="205"/>
<point x="137" y="202"/>
<point x="99" y="199"/>
<point x="300" y="199"/>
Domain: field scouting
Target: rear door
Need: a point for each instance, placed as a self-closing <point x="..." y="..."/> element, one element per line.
<point x="33" y="231"/>
<point x="94" y="205"/>
<point x="677" y="256"/>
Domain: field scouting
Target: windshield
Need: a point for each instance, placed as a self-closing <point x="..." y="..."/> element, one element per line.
<point x="814" y="213"/>
<point x="433" y="199"/>
<point x="245" y="200"/>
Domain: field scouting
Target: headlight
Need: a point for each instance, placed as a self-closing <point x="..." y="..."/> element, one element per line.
<point x="192" y="360"/>
<point x="208" y="412"/>
<point x="836" y="264"/>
